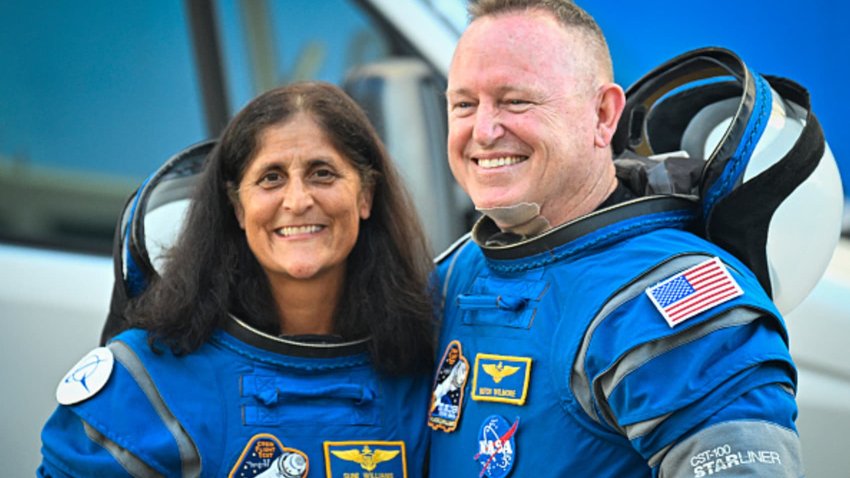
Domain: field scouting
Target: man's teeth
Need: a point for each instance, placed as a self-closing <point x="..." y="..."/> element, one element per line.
<point x="293" y="230"/>
<point x="496" y="162"/>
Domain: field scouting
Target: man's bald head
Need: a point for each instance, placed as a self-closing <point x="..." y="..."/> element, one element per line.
<point x="572" y="17"/>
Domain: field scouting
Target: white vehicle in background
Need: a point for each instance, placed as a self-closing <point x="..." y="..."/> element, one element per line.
<point x="56" y="220"/>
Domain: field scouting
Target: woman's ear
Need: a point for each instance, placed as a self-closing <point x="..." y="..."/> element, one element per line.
<point x="233" y="196"/>
<point x="365" y="201"/>
<point x="612" y="100"/>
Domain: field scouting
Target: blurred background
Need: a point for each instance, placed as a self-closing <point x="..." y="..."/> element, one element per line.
<point x="95" y="95"/>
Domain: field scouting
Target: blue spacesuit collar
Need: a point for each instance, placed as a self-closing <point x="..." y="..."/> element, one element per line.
<point x="244" y="332"/>
<point x="634" y="215"/>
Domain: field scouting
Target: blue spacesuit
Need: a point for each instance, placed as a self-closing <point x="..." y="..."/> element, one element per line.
<point x="617" y="345"/>
<point x="244" y="404"/>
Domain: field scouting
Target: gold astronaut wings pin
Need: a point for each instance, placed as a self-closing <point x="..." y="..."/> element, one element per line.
<point x="367" y="458"/>
<point x="499" y="370"/>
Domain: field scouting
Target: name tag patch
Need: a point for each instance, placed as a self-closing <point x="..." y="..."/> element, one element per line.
<point x="447" y="393"/>
<point x="365" y="459"/>
<point x="265" y="456"/>
<point x="501" y="378"/>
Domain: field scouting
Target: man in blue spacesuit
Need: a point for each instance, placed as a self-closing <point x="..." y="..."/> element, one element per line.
<point x="602" y="338"/>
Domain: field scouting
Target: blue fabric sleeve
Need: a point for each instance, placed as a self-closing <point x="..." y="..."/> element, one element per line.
<point x="669" y="396"/>
<point x="690" y="372"/>
<point x="753" y="436"/>
<point x="731" y="400"/>
<point x="68" y="452"/>
<point x="114" y="429"/>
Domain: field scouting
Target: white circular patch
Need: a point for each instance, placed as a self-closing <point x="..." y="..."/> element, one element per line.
<point x="86" y="378"/>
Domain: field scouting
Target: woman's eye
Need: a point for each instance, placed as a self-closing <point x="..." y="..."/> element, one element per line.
<point x="270" y="179"/>
<point x="324" y="175"/>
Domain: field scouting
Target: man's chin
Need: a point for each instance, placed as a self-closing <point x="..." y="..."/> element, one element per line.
<point x="494" y="200"/>
<point x="523" y="218"/>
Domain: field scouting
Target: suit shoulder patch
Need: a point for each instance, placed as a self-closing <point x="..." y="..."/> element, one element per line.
<point x="86" y="378"/>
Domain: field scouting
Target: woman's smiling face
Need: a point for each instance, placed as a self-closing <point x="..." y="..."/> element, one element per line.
<point x="300" y="203"/>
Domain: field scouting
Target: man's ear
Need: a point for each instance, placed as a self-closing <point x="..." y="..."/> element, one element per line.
<point x="609" y="108"/>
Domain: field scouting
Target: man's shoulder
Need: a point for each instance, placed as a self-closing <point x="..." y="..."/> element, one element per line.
<point x="668" y="242"/>
<point x="453" y="249"/>
<point x="460" y="258"/>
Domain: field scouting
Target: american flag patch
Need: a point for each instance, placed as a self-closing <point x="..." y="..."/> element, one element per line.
<point x="693" y="291"/>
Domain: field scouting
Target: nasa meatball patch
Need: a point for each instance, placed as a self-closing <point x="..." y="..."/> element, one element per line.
<point x="496" y="447"/>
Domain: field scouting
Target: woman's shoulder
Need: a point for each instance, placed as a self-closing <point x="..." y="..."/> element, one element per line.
<point x="109" y="398"/>
<point x="134" y="338"/>
<point x="130" y="372"/>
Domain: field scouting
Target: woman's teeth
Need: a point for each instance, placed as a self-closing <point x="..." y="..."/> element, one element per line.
<point x="294" y="230"/>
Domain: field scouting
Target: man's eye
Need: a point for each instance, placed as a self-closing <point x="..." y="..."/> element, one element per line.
<point x="517" y="104"/>
<point x="462" y="108"/>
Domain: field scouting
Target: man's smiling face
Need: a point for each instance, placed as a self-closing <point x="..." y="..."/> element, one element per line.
<point x="522" y="115"/>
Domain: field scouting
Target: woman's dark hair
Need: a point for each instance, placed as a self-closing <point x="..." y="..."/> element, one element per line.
<point x="211" y="271"/>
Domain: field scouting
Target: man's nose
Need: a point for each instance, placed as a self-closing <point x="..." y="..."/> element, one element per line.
<point x="297" y="196"/>
<point x="488" y="126"/>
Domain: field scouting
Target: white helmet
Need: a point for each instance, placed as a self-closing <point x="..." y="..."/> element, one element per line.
<point x="151" y="221"/>
<point x="768" y="188"/>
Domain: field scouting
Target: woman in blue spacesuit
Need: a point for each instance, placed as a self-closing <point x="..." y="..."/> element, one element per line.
<point x="290" y="329"/>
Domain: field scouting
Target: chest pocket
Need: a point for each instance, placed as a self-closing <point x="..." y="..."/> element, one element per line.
<point x="277" y="400"/>
<point x="503" y="301"/>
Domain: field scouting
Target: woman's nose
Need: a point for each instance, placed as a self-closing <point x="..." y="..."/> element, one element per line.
<point x="297" y="196"/>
